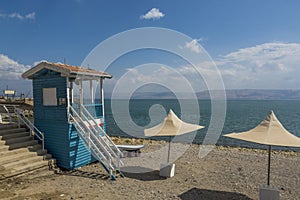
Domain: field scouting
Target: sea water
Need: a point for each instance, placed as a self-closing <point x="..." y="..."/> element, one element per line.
<point x="241" y="115"/>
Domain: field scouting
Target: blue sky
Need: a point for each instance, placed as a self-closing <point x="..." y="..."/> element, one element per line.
<point x="255" y="44"/>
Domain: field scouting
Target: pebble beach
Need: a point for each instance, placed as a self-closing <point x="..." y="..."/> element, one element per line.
<point x="225" y="173"/>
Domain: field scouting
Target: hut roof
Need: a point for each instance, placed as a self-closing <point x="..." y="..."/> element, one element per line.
<point x="65" y="70"/>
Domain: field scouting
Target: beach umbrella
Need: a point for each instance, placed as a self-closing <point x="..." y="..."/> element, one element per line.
<point x="171" y="126"/>
<point x="269" y="132"/>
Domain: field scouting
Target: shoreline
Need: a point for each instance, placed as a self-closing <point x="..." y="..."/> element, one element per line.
<point x="27" y="105"/>
<point x="141" y="141"/>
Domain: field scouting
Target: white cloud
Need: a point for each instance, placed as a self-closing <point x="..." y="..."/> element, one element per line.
<point x="15" y="15"/>
<point x="10" y="76"/>
<point x="30" y="16"/>
<point x="273" y="65"/>
<point x="266" y="66"/>
<point x="193" y="46"/>
<point x="154" y="13"/>
<point x="10" y="69"/>
<point x="269" y="65"/>
<point x="38" y="62"/>
<point x="152" y="76"/>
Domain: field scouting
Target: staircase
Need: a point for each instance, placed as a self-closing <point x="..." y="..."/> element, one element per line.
<point x="96" y="140"/>
<point x="19" y="151"/>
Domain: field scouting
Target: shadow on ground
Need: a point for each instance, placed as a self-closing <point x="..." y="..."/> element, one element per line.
<point x="133" y="172"/>
<point x="196" y="193"/>
<point x="84" y="174"/>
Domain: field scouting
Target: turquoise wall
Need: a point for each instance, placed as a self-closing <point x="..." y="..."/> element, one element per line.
<point x="61" y="138"/>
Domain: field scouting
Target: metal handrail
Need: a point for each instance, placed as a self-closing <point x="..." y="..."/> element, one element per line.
<point x="94" y="133"/>
<point x="104" y="133"/>
<point x="7" y="110"/>
<point x="96" y="150"/>
<point x="107" y="155"/>
<point x="92" y="129"/>
<point x="30" y="125"/>
<point x="94" y="109"/>
<point x="90" y="132"/>
<point x="108" y="149"/>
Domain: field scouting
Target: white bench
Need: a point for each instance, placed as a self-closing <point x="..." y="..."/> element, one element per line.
<point x="131" y="150"/>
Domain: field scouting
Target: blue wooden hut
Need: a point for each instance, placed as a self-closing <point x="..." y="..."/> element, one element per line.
<point x="74" y="132"/>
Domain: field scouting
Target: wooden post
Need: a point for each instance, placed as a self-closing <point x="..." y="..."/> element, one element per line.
<point x="102" y="96"/>
<point x="81" y="97"/>
<point x="69" y="96"/>
<point x="92" y="91"/>
<point x="71" y="93"/>
<point x="100" y="86"/>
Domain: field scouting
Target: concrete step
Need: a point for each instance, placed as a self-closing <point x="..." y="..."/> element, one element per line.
<point x="19" y="152"/>
<point x="14" y="135"/>
<point x="8" y="126"/>
<point x="16" y="140"/>
<point x="36" y="147"/>
<point x="23" y="155"/>
<point x="4" y="148"/>
<point x="22" y="162"/>
<point x="18" y="145"/>
<point x="23" y="169"/>
<point x="10" y="131"/>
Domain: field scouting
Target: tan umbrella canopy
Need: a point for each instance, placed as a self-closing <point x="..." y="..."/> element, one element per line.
<point x="269" y="132"/>
<point x="171" y="126"/>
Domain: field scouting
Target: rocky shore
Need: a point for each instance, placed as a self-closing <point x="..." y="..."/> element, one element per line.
<point x="225" y="173"/>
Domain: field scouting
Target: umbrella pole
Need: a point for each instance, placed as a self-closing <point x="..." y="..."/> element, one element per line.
<point x="169" y="149"/>
<point x="269" y="164"/>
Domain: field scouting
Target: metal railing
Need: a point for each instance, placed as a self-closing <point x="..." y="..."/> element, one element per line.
<point x="99" y="130"/>
<point x="8" y="111"/>
<point x="94" y="110"/>
<point x="86" y="136"/>
<point x="97" y="141"/>
<point x="34" y="131"/>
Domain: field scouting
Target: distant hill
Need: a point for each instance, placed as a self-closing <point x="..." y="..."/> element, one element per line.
<point x="251" y="94"/>
<point x="242" y="94"/>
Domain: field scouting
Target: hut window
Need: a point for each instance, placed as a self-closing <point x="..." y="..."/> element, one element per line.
<point x="49" y="97"/>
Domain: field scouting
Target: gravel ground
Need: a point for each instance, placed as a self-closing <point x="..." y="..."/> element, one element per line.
<point x="225" y="173"/>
